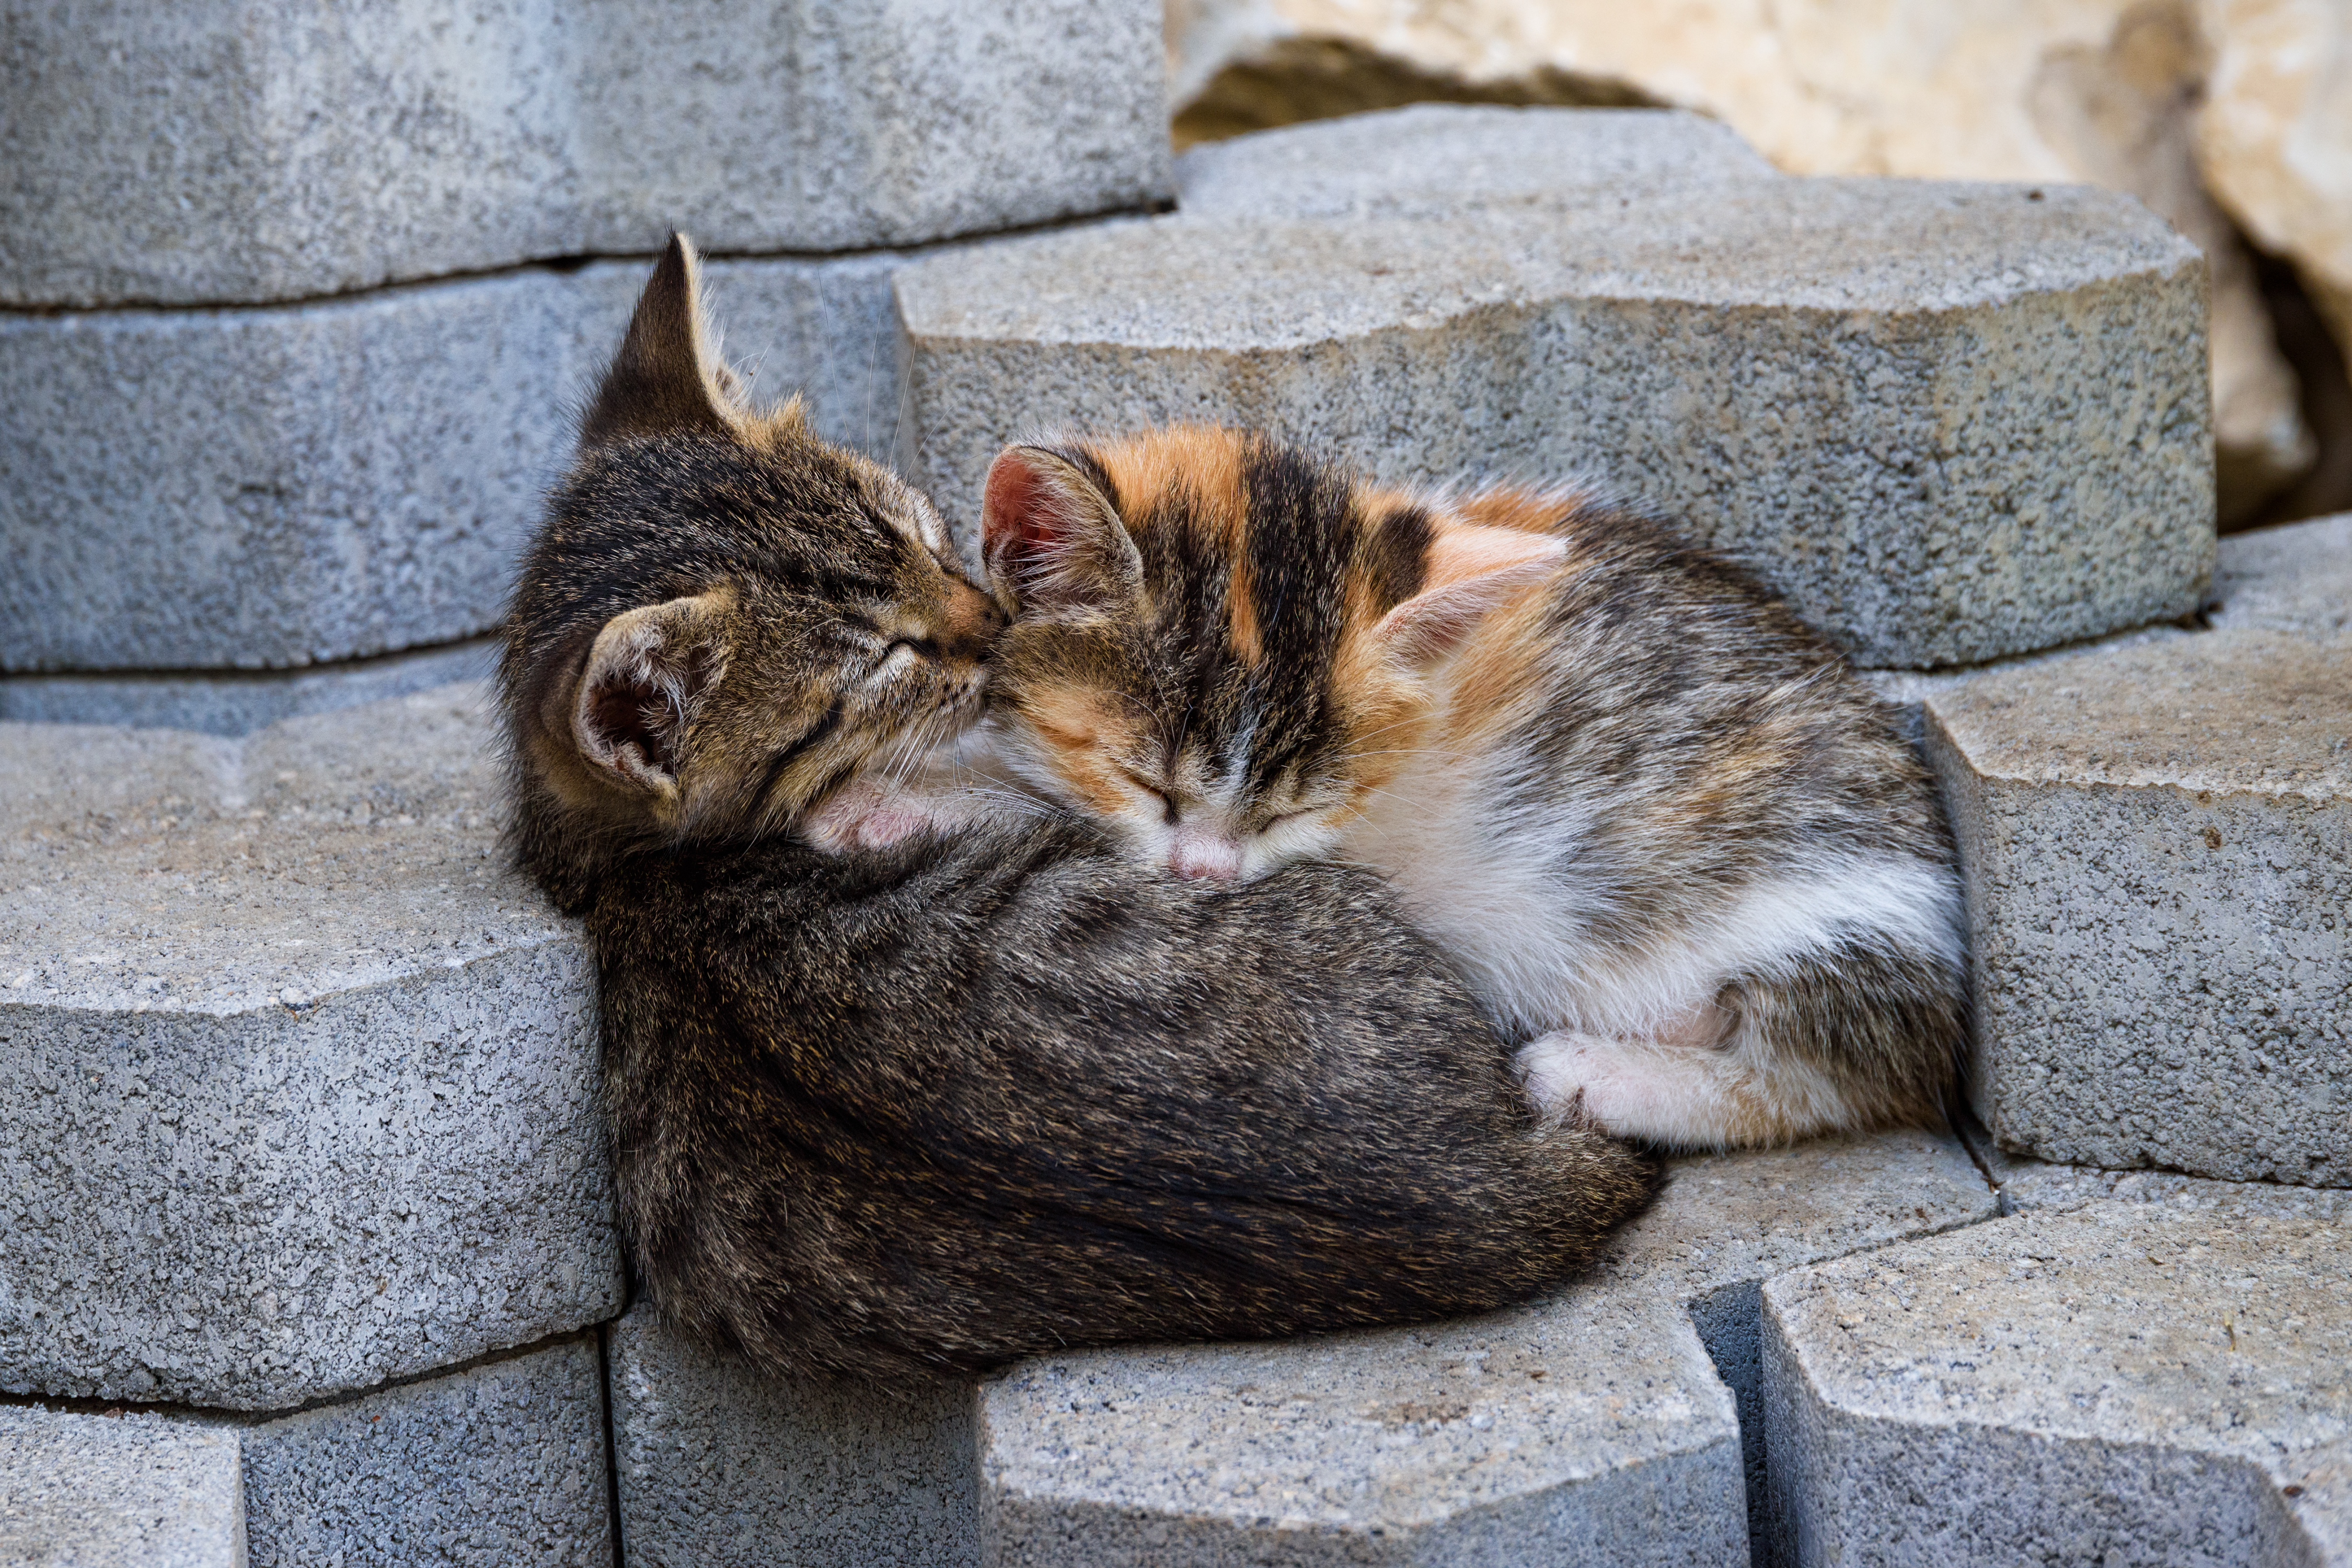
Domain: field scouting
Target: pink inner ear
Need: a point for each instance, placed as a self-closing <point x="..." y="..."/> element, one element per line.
<point x="1017" y="518"/>
<point x="1471" y="570"/>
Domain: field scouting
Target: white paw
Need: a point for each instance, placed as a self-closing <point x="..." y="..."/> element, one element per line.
<point x="861" y="817"/>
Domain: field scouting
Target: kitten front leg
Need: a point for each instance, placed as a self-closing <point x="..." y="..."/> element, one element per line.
<point x="1680" y="1093"/>
<point x="863" y="814"/>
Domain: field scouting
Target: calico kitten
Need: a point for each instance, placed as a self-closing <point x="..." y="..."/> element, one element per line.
<point x="1669" y="839"/>
<point x="929" y="1106"/>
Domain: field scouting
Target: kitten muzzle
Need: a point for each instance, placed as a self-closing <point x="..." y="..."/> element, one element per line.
<point x="1196" y="856"/>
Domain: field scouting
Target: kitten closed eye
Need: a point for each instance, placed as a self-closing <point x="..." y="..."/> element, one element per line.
<point x="1607" y="772"/>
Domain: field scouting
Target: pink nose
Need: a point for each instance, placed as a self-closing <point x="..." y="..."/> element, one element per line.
<point x="1201" y="858"/>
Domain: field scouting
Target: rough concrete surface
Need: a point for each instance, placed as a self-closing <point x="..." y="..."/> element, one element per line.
<point x="2157" y="849"/>
<point x="179" y="155"/>
<point x="1588" y="1427"/>
<point x="237" y="702"/>
<point x="118" y="1491"/>
<point x="328" y="481"/>
<point x="2297" y="577"/>
<point x="1947" y="422"/>
<point x="721" y="1468"/>
<point x="497" y="1465"/>
<point x="1433" y="159"/>
<point x="301" y="1078"/>
<point x="2029" y="1184"/>
<point x="2121" y="1384"/>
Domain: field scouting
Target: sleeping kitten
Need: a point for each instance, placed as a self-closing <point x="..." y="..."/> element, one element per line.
<point x="932" y="1107"/>
<point x="1667" y="837"/>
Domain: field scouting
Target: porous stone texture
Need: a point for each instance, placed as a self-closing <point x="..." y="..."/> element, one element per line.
<point x="328" y="481"/>
<point x="1588" y="1427"/>
<point x="2120" y="1384"/>
<point x="2029" y="1184"/>
<point x="2295" y="578"/>
<point x="181" y="157"/>
<point x="118" y="1491"/>
<point x="1435" y="160"/>
<point x="301" y="1078"/>
<point x="2157" y="847"/>
<point x="1947" y="423"/>
<point x="720" y="1467"/>
<point x="237" y="702"/>
<point x="497" y="1465"/>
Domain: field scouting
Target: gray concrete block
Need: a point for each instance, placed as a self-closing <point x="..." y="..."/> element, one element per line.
<point x="301" y="1077"/>
<point x="1947" y="422"/>
<point x="2297" y="577"/>
<point x="237" y="702"/>
<point x="1435" y="160"/>
<point x="2157" y="842"/>
<point x="199" y="490"/>
<point x="118" y="1491"/>
<point x="721" y="1468"/>
<point x="1590" y="1428"/>
<point x="2027" y="1184"/>
<point x="2121" y="1384"/>
<point x="497" y="1465"/>
<point x="181" y="156"/>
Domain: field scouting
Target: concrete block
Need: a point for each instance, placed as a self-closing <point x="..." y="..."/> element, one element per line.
<point x="200" y="489"/>
<point x="2157" y="847"/>
<point x="2297" y="577"/>
<point x="2027" y="1184"/>
<point x="1435" y="160"/>
<point x="1947" y="422"/>
<point x="118" y="1491"/>
<point x="498" y="1466"/>
<point x="182" y="156"/>
<point x="302" y="1079"/>
<point x="237" y="702"/>
<point x="2121" y="1384"/>
<point x="1590" y="1428"/>
<point x="720" y="1468"/>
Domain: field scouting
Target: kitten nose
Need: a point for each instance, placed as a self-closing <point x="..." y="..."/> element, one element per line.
<point x="1199" y="857"/>
<point x="973" y="620"/>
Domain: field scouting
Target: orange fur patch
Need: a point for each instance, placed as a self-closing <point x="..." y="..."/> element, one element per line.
<point x="1200" y="467"/>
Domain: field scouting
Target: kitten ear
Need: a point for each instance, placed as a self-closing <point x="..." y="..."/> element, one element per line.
<point x="1052" y="538"/>
<point x="1470" y="570"/>
<point x="643" y="672"/>
<point x="667" y="377"/>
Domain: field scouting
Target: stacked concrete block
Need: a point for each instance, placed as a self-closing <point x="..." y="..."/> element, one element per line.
<point x="1947" y="423"/>
<point x="720" y="1465"/>
<point x="2117" y="1384"/>
<point x="302" y="1077"/>
<point x="118" y="1491"/>
<point x="1603" y="1424"/>
<point x="296" y="474"/>
<point x="2157" y="842"/>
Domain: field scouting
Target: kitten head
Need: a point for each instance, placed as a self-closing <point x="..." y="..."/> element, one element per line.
<point x="723" y="618"/>
<point x="1220" y="647"/>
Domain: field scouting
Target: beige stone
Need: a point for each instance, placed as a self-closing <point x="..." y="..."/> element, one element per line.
<point x="2274" y="138"/>
<point x="2102" y="90"/>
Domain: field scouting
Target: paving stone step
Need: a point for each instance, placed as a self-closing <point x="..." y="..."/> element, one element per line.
<point x="495" y="1465"/>
<point x="1949" y="422"/>
<point x="466" y="137"/>
<point x="237" y="702"/>
<point x="121" y="1491"/>
<point x="2156" y="841"/>
<point x="2027" y="1184"/>
<point x="1604" y="1424"/>
<point x="300" y="1077"/>
<point x="2119" y="1383"/>
<point x="332" y="480"/>
<point x="1433" y="159"/>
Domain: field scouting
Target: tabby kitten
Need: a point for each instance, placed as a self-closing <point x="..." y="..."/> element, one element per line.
<point x="932" y="1106"/>
<point x="1671" y="842"/>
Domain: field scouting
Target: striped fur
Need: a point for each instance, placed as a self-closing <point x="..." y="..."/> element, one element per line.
<point x="924" y="1106"/>
<point x="1677" y="849"/>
